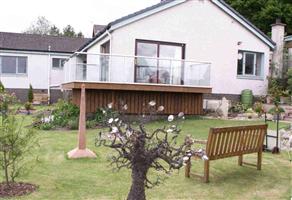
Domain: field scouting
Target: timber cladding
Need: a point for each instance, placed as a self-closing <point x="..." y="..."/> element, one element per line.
<point x="173" y="102"/>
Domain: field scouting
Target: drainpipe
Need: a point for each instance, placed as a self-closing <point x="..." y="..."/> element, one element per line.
<point x="49" y="76"/>
<point x="110" y="63"/>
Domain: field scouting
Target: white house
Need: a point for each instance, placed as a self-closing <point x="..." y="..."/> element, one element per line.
<point x="201" y="43"/>
<point x="173" y="46"/>
<point x="35" y="59"/>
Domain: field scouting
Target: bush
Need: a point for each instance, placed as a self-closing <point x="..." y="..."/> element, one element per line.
<point x="64" y="112"/>
<point x="274" y="110"/>
<point x="238" y="107"/>
<point x="73" y="124"/>
<point x="102" y="114"/>
<point x="258" y="108"/>
<point x="46" y="126"/>
<point x="289" y="82"/>
<point x="30" y="94"/>
<point x="28" y="107"/>
<point x="2" y="88"/>
<point x="90" y="124"/>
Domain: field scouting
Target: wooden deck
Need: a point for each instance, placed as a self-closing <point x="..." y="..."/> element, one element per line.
<point x="175" y="99"/>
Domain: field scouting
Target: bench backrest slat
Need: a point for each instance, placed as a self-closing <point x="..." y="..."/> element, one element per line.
<point x="232" y="141"/>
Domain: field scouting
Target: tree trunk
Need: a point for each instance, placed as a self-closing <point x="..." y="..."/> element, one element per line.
<point x="6" y="168"/>
<point x="137" y="192"/>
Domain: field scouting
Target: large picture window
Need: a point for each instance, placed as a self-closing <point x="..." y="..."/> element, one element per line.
<point x="13" y="65"/>
<point x="250" y="64"/>
<point x="167" y="69"/>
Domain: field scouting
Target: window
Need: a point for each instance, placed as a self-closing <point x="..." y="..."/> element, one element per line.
<point x="250" y="64"/>
<point x="58" y="63"/>
<point x="13" y="65"/>
<point x="149" y="69"/>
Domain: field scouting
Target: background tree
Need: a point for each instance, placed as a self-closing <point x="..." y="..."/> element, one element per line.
<point x="69" y="31"/>
<point x="263" y="13"/>
<point x="140" y="149"/>
<point x="41" y="26"/>
<point x="55" y="31"/>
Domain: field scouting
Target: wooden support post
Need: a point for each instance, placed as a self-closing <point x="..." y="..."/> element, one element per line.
<point x="188" y="169"/>
<point x="81" y="151"/>
<point x="259" y="161"/>
<point x="240" y="160"/>
<point x="206" y="170"/>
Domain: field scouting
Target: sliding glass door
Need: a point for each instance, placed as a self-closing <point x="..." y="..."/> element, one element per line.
<point x="167" y="69"/>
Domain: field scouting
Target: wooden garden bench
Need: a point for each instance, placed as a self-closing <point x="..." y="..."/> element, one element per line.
<point x="232" y="141"/>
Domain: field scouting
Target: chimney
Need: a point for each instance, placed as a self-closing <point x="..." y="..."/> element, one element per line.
<point x="278" y="33"/>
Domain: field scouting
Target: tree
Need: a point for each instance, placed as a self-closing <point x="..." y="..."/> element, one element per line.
<point x="55" y="31"/>
<point x="69" y="31"/>
<point x="15" y="143"/>
<point x="80" y="35"/>
<point x="41" y="26"/>
<point x="263" y="13"/>
<point x="30" y="94"/>
<point x="140" y="150"/>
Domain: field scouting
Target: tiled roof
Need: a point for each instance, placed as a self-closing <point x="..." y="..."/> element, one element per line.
<point x="40" y="43"/>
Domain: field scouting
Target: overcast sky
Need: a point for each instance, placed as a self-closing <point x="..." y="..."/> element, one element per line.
<point x="17" y="15"/>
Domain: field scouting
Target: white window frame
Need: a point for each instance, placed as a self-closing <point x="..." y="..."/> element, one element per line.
<point x="253" y="75"/>
<point x="60" y="63"/>
<point x="244" y="64"/>
<point x="16" y="72"/>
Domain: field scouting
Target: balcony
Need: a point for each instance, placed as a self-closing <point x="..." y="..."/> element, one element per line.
<point x="137" y="70"/>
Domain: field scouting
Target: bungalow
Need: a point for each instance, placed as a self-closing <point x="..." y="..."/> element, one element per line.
<point x="37" y="60"/>
<point x="176" y="52"/>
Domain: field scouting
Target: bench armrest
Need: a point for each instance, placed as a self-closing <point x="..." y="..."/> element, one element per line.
<point x="200" y="141"/>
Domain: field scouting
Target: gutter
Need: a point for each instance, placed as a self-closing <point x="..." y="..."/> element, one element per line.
<point x="49" y="76"/>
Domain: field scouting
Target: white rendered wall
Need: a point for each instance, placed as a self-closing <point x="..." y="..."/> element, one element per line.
<point x="37" y="71"/>
<point x="209" y="34"/>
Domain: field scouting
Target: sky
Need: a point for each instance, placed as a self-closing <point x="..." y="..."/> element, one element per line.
<point x="17" y="15"/>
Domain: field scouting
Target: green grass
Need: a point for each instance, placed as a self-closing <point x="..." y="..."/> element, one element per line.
<point x="60" y="179"/>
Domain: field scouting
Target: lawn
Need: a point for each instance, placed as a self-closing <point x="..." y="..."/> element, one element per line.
<point x="60" y="179"/>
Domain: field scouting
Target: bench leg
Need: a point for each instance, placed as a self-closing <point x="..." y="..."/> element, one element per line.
<point x="259" y="162"/>
<point x="188" y="169"/>
<point x="206" y="170"/>
<point x="240" y="160"/>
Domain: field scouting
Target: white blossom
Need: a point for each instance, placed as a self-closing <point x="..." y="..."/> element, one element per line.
<point x="169" y="130"/>
<point x="110" y="120"/>
<point x="125" y="107"/>
<point x="115" y="130"/>
<point x="204" y="157"/>
<point x="170" y="118"/>
<point x="160" y="108"/>
<point x="110" y="105"/>
<point x="181" y="114"/>
<point x="152" y="103"/>
<point x="117" y="119"/>
<point x="186" y="158"/>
